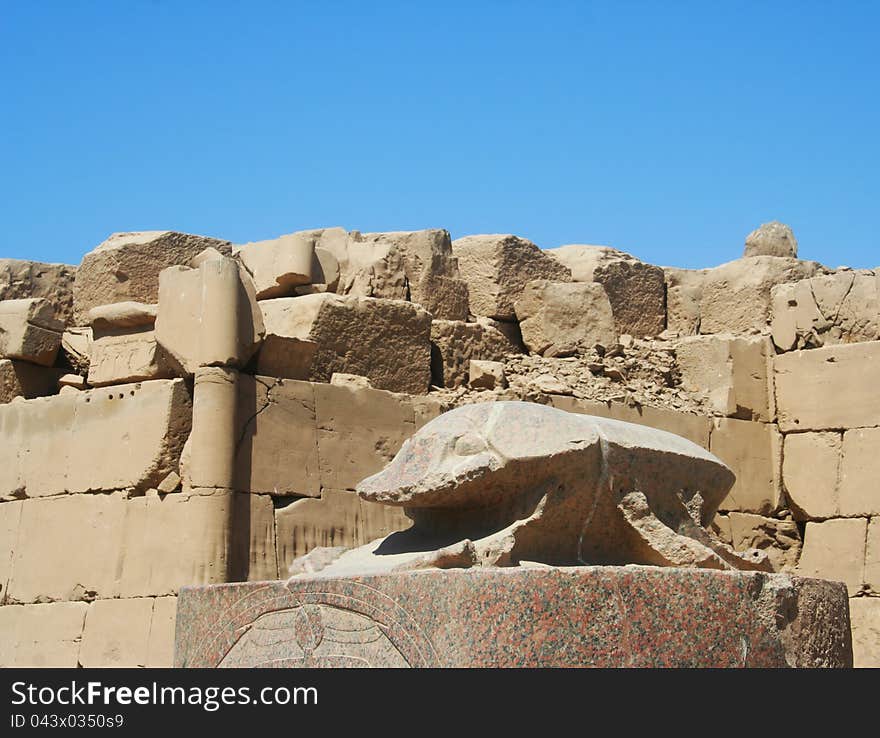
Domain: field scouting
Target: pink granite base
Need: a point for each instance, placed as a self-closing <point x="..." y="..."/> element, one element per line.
<point x="633" y="616"/>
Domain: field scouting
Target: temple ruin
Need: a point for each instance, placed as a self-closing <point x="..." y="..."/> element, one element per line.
<point x="178" y="410"/>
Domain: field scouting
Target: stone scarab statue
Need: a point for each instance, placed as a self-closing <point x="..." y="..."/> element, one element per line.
<point x="517" y="483"/>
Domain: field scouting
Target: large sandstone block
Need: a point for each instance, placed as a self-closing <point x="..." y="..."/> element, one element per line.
<point x="116" y="633"/>
<point x="736" y="295"/>
<point x="21" y="279"/>
<point x="636" y="290"/>
<point x="497" y="269"/>
<point x="872" y="556"/>
<point x="208" y="316"/>
<point x="410" y="265"/>
<point x="684" y="292"/>
<point x="695" y="428"/>
<point x="810" y="472"/>
<point x="123" y="346"/>
<point x="137" y="431"/>
<point x="864" y="613"/>
<point x="129" y="356"/>
<point x="454" y="344"/>
<point x="779" y="539"/>
<point x="835" y="550"/>
<point x="127" y="265"/>
<point x="557" y="315"/>
<point x="68" y="548"/>
<point x="828" y="388"/>
<point x="23" y="379"/>
<point x="277" y="451"/>
<point x="731" y="373"/>
<point x="41" y="636"/>
<point x="337" y="518"/>
<point x="279" y="264"/>
<point x="359" y="432"/>
<point x="206" y="538"/>
<point x="314" y="336"/>
<point x="160" y="647"/>
<point x="10" y="517"/>
<point x="830" y="309"/>
<point x="859" y="491"/>
<point x="754" y="452"/>
<point x="29" y="331"/>
<point x="771" y="239"/>
<point x="76" y="342"/>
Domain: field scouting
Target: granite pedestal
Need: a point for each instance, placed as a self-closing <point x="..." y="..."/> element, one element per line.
<point x="602" y="616"/>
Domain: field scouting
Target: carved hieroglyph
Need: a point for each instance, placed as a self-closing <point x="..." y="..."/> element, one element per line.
<point x="316" y="624"/>
<point x="499" y="484"/>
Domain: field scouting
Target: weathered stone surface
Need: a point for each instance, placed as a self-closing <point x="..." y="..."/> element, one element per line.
<point x="208" y="458"/>
<point x="771" y="239"/>
<point x="454" y="344"/>
<point x="872" y="556"/>
<point x="21" y="279"/>
<point x="731" y="373"/>
<point x="736" y="295"/>
<point x="217" y="537"/>
<point x="41" y="636"/>
<point x="116" y="633"/>
<point x="126" y="267"/>
<point x="136" y="430"/>
<point x="68" y="548"/>
<point x="695" y="428"/>
<point x="810" y="471"/>
<point x="280" y="264"/>
<point x="754" y="452"/>
<point x="117" y="315"/>
<point x="780" y="539"/>
<point x="407" y="265"/>
<point x="835" y="550"/>
<point x="277" y="450"/>
<point x="76" y="345"/>
<point x="582" y="260"/>
<point x="497" y="268"/>
<point x="830" y="309"/>
<point x="208" y="316"/>
<point x="29" y="331"/>
<point x="359" y="431"/>
<point x="128" y="355"/>
<point x="72" y="380"/>
<point x="23" y="379"/>
<point x="325" y="274"/>
<point x="553" y="315"/>
<point x="523" y="617"/>
<point x="311" y="337"/>
<point x="10" y="517"/>
<point x="355" y="381"/>
<point x="337" y="518"/>
<point x="684" y="292"/>
<point x="518" y="481"/>
<point x="160" y="646"/>
<point x="635" y="290"/>
<point x="859" y="492"/>
<point x="486" y="374"/>
<point x="828" y="388"/>
<point x="865" y="616"/>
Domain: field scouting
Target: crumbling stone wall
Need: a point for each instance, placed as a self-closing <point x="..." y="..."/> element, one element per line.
<point x="183" y="411"/>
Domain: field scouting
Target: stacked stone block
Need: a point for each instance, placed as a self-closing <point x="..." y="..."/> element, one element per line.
<point x="218" y="405"/>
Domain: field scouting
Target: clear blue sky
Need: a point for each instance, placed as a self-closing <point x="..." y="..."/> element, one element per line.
<point x="668" y="129"/>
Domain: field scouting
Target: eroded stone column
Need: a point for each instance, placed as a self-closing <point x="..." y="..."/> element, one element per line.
<point x="212" y="442"/>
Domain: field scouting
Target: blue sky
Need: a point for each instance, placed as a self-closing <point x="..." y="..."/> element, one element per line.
<point x="667" y="129"/>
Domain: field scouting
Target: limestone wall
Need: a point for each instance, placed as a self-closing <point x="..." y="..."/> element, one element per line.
<point x="181" y="411"/>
